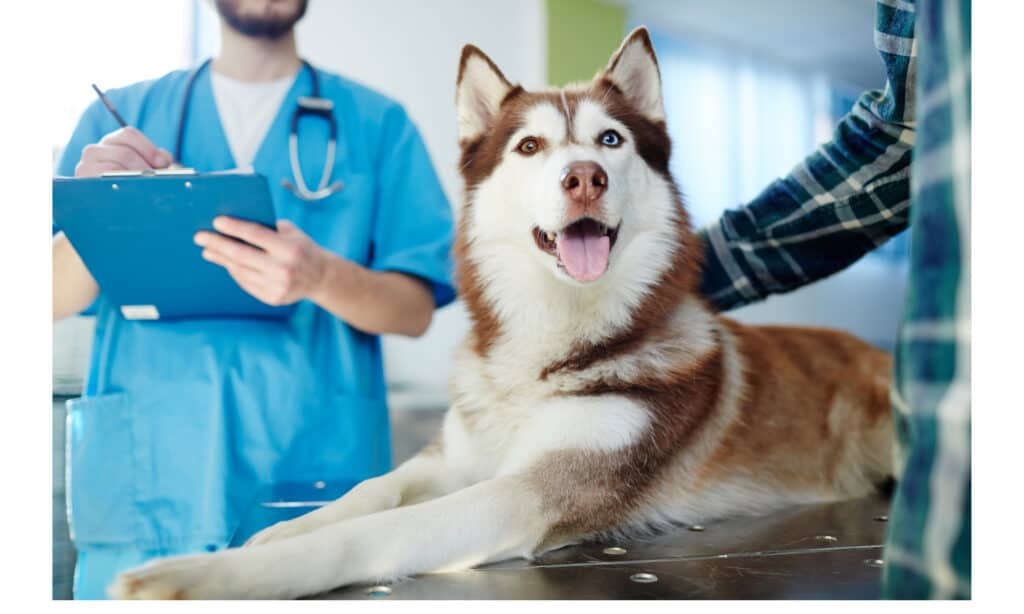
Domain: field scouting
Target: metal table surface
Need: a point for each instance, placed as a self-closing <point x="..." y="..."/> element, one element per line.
<point x="828" y="551"/>
<point x="812" y="552"/>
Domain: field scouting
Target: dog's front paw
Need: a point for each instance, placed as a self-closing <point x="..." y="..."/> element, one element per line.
<point x="185" y="577"/>
<point x="277" y="531"/>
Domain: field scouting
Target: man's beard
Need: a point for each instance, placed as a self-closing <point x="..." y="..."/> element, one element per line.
<point x="259" y="26"/>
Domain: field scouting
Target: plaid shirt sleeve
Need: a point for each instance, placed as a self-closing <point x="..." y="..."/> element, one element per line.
<point x="928" y="544"/>
<point x="841" y="202"/>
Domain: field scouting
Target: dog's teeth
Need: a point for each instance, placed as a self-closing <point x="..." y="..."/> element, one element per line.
<point x="603" y="229"/>
<point x="550" y="236"/>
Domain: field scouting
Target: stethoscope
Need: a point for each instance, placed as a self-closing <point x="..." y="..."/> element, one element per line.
<point x="307" y="106"/>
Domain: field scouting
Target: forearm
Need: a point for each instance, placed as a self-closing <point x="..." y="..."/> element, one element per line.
<point x="74" y="288"/>
<point x="841" y="202"/>
<point x="776" y="244"/>
<point x="374" y="302"/>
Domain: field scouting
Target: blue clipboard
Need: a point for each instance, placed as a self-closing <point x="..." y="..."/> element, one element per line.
<point x="134" y="233"/>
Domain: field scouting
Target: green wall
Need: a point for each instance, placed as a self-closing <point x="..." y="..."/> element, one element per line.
<point x="582" y="35"/>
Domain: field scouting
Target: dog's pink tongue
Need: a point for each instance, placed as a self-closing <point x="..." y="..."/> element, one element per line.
<point x="584" y="251"/>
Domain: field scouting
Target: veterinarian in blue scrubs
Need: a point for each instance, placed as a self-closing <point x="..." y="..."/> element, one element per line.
<point x="182" y="422"/>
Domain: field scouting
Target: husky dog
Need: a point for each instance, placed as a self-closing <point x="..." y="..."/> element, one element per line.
<point x="596" y="394"/>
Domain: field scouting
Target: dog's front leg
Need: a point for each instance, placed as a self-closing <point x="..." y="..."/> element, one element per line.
<point x="492" y="520"/>
<point x="425" y="476"/>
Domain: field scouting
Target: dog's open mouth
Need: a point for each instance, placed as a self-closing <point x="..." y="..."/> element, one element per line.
<point x="582" y="248"/>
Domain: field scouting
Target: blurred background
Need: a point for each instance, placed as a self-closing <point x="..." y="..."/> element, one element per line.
<point x="751" y="87"/>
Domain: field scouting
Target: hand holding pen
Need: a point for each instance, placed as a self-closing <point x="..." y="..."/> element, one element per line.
<point x="125" y="149"/>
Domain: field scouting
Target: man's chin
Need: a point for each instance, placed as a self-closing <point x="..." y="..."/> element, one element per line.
<point x="263" y="26"/>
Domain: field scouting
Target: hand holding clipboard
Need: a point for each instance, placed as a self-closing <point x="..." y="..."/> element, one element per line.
<point x="135" y="233"/>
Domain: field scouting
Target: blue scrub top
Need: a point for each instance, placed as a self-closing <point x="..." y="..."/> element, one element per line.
<point x="182" y="422"/>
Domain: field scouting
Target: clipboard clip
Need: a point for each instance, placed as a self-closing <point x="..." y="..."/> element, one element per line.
<point x="160" y="172"/>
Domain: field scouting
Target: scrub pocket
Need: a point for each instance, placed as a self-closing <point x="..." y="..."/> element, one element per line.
<point x="102" y="470"/>
<point x="147" y="468"/>
<point x="170" y="466"/>
<point x="147" y="472"/>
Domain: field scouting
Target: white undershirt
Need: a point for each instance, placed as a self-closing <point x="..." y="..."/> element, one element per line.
<point x="247" y="108"/>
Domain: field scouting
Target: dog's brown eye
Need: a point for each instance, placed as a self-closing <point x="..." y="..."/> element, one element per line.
<point x="528" y="146"/>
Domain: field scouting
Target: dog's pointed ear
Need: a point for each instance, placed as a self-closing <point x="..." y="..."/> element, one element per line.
<point x="479" y="91"/>
<point x="634" y="70"/>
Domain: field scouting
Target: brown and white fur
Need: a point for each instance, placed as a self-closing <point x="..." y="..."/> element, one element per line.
<point x="596" y="393"/>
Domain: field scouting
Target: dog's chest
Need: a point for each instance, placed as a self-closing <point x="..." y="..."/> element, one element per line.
<point x="495" y="430"/>
<point x="485" y="430"/>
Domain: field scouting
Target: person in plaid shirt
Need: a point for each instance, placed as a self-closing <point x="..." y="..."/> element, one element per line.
<point x="900" y="157"/>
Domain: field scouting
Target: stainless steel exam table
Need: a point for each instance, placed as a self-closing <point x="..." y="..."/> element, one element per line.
<point x="831" y="551"/>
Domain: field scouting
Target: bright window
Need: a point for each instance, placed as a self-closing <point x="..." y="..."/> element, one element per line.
<point x="737" y="123"/>
<point x="114" y="43"/>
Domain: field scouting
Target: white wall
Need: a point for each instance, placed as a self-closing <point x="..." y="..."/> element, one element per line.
<point x="409" y="50"/>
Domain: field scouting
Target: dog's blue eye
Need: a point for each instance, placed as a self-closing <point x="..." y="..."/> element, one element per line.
<point x="611" y="138"/>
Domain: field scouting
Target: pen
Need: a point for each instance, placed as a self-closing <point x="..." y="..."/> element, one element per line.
<point x="120" y="120"/>
<point x="110" y="107"/>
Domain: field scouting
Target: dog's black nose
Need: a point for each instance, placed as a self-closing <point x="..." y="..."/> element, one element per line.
<point x="584" y="182"/>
